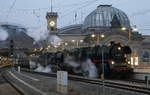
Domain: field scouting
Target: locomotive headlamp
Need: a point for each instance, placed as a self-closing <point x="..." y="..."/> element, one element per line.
<point x="123" y="28"/>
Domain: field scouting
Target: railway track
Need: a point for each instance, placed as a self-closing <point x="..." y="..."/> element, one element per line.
<point x="107" y="83"/>
<point x="6" y="87"/>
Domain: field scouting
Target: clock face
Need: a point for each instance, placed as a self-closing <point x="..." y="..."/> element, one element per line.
<point x="52" y="23"/>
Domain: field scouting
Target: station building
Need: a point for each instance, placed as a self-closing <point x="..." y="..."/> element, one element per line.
<point x="102" y="26"/>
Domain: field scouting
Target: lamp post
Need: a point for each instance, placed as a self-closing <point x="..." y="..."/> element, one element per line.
<point x="134" y="28"/>
<point x="103" y="67"/>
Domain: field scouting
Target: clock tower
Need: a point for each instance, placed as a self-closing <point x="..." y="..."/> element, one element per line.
<point x="52" y="22"/>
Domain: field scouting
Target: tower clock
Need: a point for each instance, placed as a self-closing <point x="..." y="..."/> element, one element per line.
<point x="52" y="21"/>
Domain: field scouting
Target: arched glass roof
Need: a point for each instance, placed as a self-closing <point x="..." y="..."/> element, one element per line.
<point x="106" y="16"/>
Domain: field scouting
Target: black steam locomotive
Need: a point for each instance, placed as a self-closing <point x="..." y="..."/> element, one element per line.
<point x="114" y="58"/>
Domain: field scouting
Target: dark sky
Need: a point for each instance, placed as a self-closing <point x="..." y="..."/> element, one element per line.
<point x="31" y="13"/>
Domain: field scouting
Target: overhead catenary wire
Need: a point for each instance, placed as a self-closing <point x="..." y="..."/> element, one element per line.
<point x="11" y="7"/>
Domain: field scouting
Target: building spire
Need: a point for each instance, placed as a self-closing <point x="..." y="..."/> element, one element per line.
<point x="51" y="5"/>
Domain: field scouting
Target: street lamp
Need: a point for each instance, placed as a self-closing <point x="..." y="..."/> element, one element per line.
<point x="103" y="68"/>
<point x="129" y="31"/>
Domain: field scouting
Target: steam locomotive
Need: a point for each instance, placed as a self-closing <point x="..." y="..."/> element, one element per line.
<point x="86" y="60"/>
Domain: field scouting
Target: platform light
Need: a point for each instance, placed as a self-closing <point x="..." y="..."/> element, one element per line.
<point x="102" y="35"/>
<point x="66" y="44"/>
<point x="81" y="41"/>
<point x="73" y="40"/>
<point x="93" y="35"/>
<point x="123" y="28"/>
<point x="49" y="46"/>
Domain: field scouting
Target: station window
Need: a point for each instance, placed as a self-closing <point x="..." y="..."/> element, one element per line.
<point x="145" y="56"/>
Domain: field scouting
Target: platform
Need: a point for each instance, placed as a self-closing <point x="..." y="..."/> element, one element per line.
<point x="34" y="84"/>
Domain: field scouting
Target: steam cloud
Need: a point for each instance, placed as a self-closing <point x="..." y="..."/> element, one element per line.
<point x="89" y="67"/>
<point x="37" y="34"/>
<point x="3" y="34"/>
<point x="55" y="40"/>
<point x="40" y="68"/>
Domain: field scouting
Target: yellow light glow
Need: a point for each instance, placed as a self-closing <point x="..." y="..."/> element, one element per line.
<point x="49" y="46"/>
<point x="66" y="44"/>
<point x="52" y="23"/>
<point x="132" y="61"/>
<point x="136" y="61"/>
<point x="112" y="62"/>
<point x="73" y="40"/>
<point x="119" y="48"/>
<point x="123" y="28"/>
<point x="102" y="35"/>
<point x="93" y="35"/>
<point x="81" y="41"/>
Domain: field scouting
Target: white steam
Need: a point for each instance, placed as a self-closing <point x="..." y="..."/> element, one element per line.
<point x="89" y="67"/>
<point x="40" y="68"/>
<point x="3" y="34"/>
<point x="55" y="40"/>
<point x="37" y="34"/>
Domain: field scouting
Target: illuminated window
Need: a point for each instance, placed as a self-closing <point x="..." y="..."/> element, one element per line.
<point x="132" y="61"/>
<point x="136" y="61"/>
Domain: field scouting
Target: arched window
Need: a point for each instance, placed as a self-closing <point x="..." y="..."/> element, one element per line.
<point x="145" y="56"/>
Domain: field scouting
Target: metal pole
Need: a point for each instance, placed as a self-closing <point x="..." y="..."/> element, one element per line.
<point x="103" y="70"/>
<point x="129" y="34"/>
<point x="51" y="6"/>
